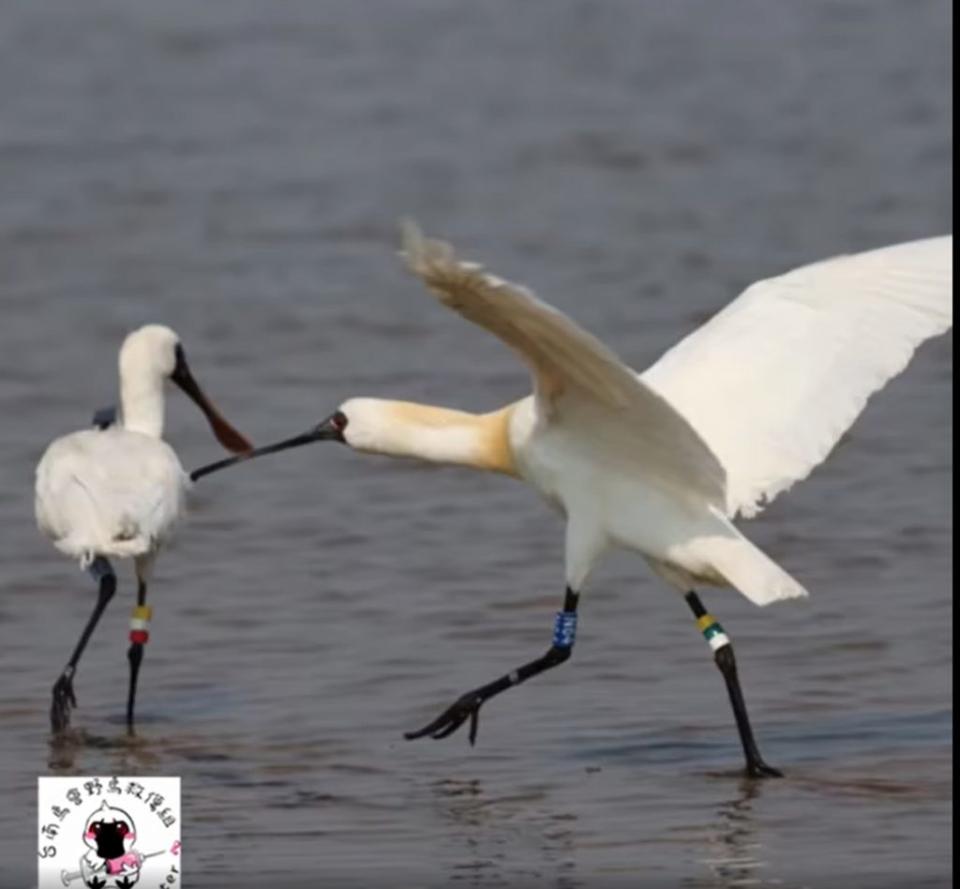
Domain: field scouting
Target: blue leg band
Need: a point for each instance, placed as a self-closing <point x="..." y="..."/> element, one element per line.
<point x="565" y="629"/>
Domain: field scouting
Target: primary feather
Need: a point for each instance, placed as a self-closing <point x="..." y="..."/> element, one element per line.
<point x="774" y="379"/>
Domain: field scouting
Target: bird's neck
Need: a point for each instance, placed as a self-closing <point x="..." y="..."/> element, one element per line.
<point x="441" y="435"/>
<point x="141" y="401"/>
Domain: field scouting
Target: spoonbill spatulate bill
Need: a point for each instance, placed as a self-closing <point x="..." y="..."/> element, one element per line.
<point x="117" y="490"/>
<point x="661" y="463"/>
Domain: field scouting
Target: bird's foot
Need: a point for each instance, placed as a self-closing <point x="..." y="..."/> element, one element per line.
<point x="759" y="769"/>
<point x="64" y="700"/>
<point x="465" y="707"/>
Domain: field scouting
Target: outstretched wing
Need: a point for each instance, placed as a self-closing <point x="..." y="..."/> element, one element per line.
<point x="773" y="380"/>
<point x="577" y="379"/>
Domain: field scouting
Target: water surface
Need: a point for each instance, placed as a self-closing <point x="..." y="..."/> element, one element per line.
<point x="236" y="170"/>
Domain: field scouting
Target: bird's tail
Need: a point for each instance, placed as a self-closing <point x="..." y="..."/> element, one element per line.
<point x="748" y="569"/>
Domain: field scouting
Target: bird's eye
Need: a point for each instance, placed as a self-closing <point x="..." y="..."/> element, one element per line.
<point x="122" y="829"/>
<point x="339" y="421"/>
<point x="95" y="827"/>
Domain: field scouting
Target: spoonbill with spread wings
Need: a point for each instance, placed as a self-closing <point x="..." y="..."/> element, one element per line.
<point x="662" y="462"/>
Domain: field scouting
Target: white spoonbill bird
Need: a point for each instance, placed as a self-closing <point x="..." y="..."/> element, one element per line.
<point x="119" y="490"/>
<point x="661" y="463"/>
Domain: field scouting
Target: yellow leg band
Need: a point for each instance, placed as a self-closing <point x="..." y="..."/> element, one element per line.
<point x="705" y="621"/>
<point x="143" y="612"/>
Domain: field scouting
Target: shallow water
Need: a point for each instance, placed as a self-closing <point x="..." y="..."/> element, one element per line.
<point x="236" y="170"/>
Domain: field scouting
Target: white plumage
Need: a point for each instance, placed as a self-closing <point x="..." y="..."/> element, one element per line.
<point x="727" y="419"/>
<point x="774" y="379"/>
<point x="120" y="491"/>
<point x="662" y="462"/>
<point x="111" y="492"/>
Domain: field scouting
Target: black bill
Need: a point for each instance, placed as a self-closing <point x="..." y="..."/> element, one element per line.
<point x="331" y="429"/>
<point x="229" y="437"/>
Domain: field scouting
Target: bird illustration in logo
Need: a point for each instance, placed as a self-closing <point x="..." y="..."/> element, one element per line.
<point x="111" y="862"/>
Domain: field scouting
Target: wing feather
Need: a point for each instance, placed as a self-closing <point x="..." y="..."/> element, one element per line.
<point x="775" y="378"/>
<point x="577" y="379"/>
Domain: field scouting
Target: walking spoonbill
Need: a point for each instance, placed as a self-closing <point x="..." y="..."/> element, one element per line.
<point x="118" y="490"/>
<point x="661" y="463"/>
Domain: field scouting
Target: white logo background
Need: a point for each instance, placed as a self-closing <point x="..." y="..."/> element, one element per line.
<point x="109" y="832"/>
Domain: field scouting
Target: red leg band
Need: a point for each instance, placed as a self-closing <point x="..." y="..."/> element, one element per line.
<point x="139" y="636"/>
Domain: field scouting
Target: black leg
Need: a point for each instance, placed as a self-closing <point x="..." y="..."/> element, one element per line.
<point x="727" y="664"/>
<point x="468" y="705"/>
<point x="138" y="638"/>
<point x="63" y="697"/>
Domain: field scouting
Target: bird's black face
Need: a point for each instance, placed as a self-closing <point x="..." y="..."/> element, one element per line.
<point x="333" y="428"/>
<point x="229" y="437"/>
<point x="330" y="429"/>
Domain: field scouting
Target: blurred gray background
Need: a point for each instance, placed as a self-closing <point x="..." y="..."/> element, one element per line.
<point x="236" y="170"/>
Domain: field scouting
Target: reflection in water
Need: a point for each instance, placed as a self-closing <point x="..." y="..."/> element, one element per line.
<point x="462" y="803"/>
<point x="127" y="755"/>
<point x="733" y="849"/>
<point x="489" y="826"/>
<point x="737" y="862"/>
